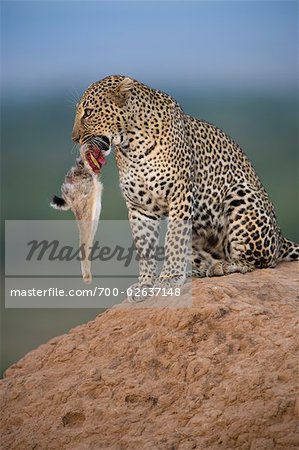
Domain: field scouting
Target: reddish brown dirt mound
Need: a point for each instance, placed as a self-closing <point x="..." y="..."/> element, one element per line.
<point x="221" y="374"/>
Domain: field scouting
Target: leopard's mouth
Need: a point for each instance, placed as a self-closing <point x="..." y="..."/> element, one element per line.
<point x="94" y="153"/>
<point x="95" y="159"/>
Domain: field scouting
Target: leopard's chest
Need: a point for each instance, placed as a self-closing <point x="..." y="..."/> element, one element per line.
<point x="140" y="185"/>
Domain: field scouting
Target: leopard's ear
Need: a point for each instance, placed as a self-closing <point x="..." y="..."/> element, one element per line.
<point x="122" y="91"/>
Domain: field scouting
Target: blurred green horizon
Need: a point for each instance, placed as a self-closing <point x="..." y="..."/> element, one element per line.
<point x="37" y="150"/>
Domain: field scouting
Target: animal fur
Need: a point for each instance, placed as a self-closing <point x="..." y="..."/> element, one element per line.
<point x="81" y="192"/>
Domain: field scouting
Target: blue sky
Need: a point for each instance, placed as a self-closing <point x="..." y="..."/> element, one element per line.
<point x="251" y="44"/>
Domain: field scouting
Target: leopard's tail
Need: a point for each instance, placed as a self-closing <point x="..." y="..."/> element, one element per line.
<point x="289" y="251"/>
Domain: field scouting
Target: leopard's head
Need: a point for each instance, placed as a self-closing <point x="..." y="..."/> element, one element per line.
<point x="100" y="117"/>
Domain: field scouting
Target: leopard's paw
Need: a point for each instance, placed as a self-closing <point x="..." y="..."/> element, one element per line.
<point x="170" y="281"/>
<point x="194" y="273"/>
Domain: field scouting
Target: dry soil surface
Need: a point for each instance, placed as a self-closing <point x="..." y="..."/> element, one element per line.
<point x="217" y="372"/>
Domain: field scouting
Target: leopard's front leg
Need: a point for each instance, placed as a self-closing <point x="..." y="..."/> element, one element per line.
<point x="145" y="231"/>
<point x="177" y="242"/>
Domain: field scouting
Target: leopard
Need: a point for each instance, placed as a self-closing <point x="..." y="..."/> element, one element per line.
<point x="172" y="165"/>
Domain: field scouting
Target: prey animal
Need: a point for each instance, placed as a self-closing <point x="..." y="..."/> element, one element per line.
<point x="81" y="192"/>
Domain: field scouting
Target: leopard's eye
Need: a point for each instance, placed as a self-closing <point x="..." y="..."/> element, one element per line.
<point x="87" y="113"/>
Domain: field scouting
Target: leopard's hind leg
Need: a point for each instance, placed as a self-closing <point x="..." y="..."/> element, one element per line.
<point x="250" y="237"/>
<point x="207" y="249"/>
